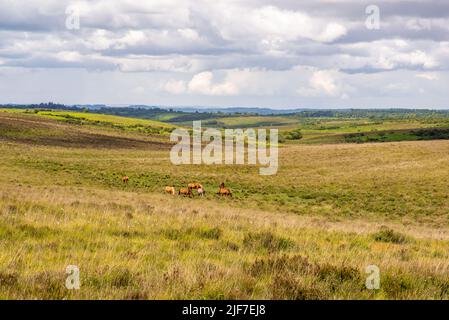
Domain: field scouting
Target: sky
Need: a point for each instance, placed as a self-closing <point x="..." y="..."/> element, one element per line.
<point x="265" y="53"/>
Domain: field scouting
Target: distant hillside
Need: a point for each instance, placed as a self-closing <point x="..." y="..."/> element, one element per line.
<point x="71" y="129"/>
<point x="183" y="114"/>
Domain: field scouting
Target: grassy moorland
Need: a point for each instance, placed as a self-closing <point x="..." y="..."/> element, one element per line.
<point x="308" y="232"/>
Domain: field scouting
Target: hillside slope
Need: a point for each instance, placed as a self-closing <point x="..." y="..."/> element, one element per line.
<point x="55" y="130"/>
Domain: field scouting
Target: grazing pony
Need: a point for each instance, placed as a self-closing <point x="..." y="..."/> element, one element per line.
<point x="195" y="185"/>
<point x="170" y="190"/>
<point x="125" y="179"/>
<point x="201" y="192"/>
<point x="222" y="191"/>
<point x="186" y="192"/>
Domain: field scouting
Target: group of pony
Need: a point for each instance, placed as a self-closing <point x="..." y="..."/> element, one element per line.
<point x="188" y="192"/>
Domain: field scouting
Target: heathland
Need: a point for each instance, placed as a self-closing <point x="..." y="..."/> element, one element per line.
<point x="352" y="192"/>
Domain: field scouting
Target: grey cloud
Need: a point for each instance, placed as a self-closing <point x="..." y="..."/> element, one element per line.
<point x="242" y="40"/>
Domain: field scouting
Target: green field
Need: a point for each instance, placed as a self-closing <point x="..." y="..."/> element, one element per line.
<point x="308" y="232"/>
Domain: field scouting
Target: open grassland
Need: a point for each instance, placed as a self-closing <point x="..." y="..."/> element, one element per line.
<point x="308" y="232"/>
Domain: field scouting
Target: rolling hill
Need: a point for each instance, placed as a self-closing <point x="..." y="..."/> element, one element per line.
<point x="308" y="232"/>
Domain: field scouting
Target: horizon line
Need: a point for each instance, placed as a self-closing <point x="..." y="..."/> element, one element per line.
<point x="134" y="105"/>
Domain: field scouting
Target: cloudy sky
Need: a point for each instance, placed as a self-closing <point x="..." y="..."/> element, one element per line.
<point x="268" y="53"/>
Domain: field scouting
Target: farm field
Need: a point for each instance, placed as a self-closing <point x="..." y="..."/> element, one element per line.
<point x="308" y="232"/>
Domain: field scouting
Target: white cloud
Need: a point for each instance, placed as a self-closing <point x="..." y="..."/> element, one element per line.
<point x="232" y="51"/>
<point x="202" y="83"/>
<point x="324" y="83"/>
<point x="189" y="34"/>
<point x="272" y="24"/>
<point x="418" y="24"/>
<point x="175" y="86"/>
<point x="414" y="58"/>
<point x="69" y="56"/>
<point x="332" y="32"/>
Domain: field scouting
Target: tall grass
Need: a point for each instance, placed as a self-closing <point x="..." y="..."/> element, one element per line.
<point x="131" y="245"/>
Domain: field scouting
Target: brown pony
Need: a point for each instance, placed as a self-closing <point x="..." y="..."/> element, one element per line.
<point x="222" y="191"/>
<point x="125" y="179"/>
<point x="170" y="190"/>
<point x="185" y="192"/>
<point x="195" y="185"/>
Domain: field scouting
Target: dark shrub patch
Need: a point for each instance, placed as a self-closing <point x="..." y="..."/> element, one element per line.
<point x="209" y="233"/>
<point x="50" y="285"/>
<point x="136" y="295"/>
<point x="12" y="209"/>
<point x="396" y="286"/>
<point x="281" y="265"/>
<point x="34" y="232"/>
<point x="121" y="278"/>
<point x="204" y="233"/>
<point x="266" y="240"/>
<point x="389" y="235"/>
<point x="338" y="273"/>
<point x="8" y="279"/>
<point x="174" y="234"/>
<point x="287" y="288"/>
<point x="291" y="276"/>
<point x="232" y="246"/>
<point x="127" y="234"/>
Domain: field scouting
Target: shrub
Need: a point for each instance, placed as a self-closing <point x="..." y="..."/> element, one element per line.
<point x="266" y="240"/>
<point x="203" y="232"/>
<point x="8" y="279"/>
<point x="396" y="286"/>
<point x="209" y="233"/>
<point x="121" y="277"/>
<point x="288" y="288"/>
<point x="282" y="264"/>
<point x="293" y="135"/>
<point x="389" y="235"/>
<point x="338" y="273"/>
